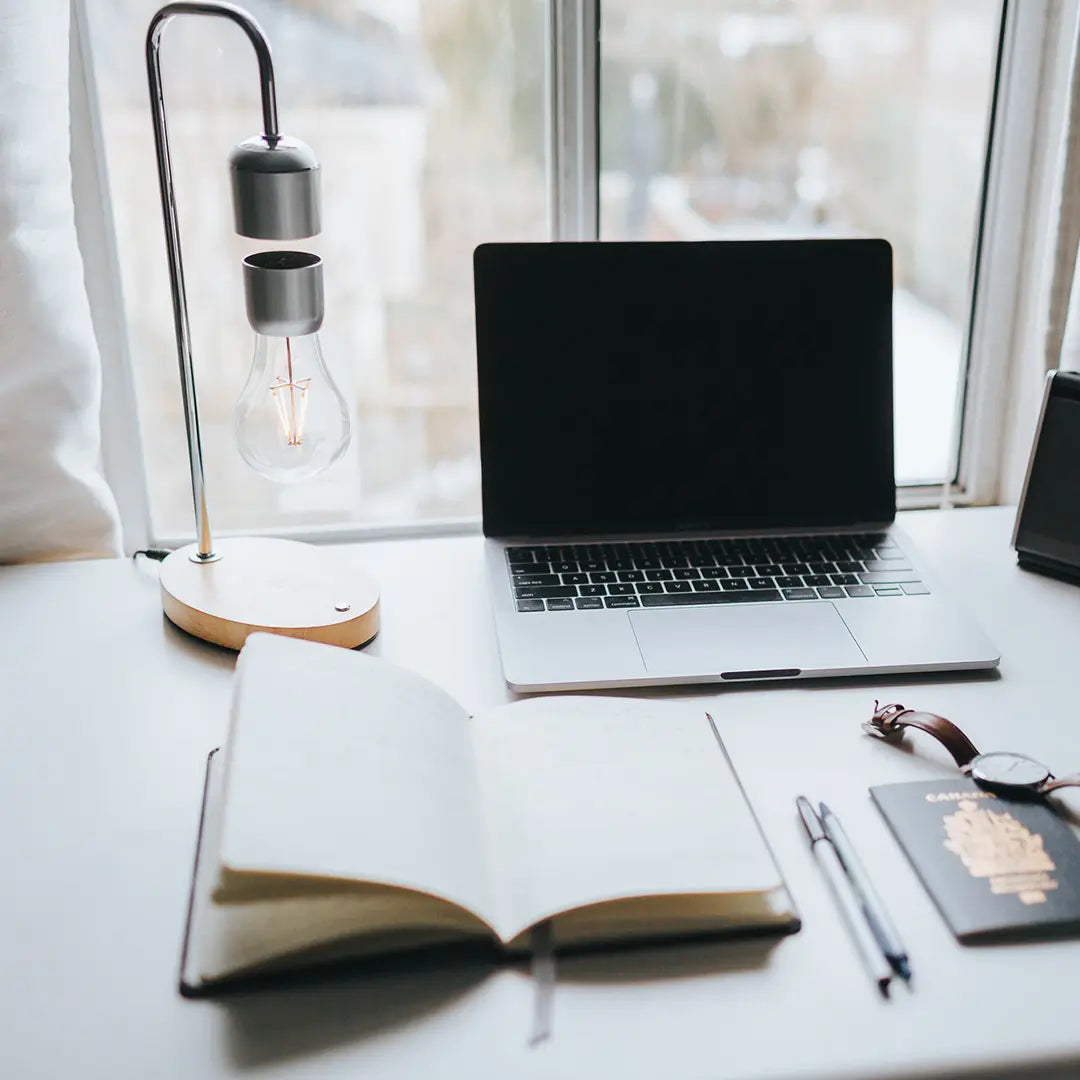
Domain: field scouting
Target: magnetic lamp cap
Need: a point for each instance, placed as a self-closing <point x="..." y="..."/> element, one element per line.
<point x="275" y="188"/>
<point x="283" y="293"/>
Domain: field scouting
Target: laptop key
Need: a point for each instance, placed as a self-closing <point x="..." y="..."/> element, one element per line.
<point x="741" y="571"/>
<point x="915" y="588"/>
<point x="790" y="581"/>
<point x="575" y="579"/>
<point x="888" y="577"/>
<point x="529" y="569"/>
<point x="685" y="573"/>
<point x="650" y="587"/>
<point x="564" y="567"/>
<point x="592" y="565"/>
<point x="560" y="605"/>
<point x="800" y="594"/>
<point x="845" y="579"/>
<point x="714" y="571"/>
<point x="621" y="589"/>
<point x="817" y="579"/>
<point x="677" y="586"/>
<point x="706" y="585"/>
<point x="631" y="575"/>
<point x="624" y="601"/>
<point x="551" y="592"/>
<point x="658" y="575"/>
<point x="537" y="581"/>
<point x="887" y="564"/>
<point x="830" y="592"/>
<point x="604" y="577"/>
<point x="591" y="590"/>
<point x="519" y="555"/>
<point x="760" y="582"/>
<point x="749" y="596"/>
<point x="734" y="585"/>
<point x="858" y="590"/>
<point x="589" y="602"/>
<point x="530" y="605"/>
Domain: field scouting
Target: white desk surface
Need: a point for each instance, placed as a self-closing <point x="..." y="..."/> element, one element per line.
<point x="108" y="713"/>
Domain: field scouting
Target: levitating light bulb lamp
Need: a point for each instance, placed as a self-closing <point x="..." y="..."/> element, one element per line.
<point x="291" y="421"/>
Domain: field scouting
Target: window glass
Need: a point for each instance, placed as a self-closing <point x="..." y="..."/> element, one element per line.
<point x="429" y="119"/>
<point x="746" y="118"/>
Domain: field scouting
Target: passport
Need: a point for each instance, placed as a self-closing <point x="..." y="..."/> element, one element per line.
<point x="999" y="868"/>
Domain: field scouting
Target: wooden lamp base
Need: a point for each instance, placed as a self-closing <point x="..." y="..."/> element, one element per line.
<point x="279" y="586"/>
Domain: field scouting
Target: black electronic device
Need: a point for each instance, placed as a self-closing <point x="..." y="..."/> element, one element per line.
<point x="1047" y="532"/>
<point x="655" y="388"/>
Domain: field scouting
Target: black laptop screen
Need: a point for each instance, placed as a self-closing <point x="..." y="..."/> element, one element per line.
<point x="677" y="387"/>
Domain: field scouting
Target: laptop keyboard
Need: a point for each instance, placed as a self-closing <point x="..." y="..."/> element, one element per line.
<point x="672" y="573"/>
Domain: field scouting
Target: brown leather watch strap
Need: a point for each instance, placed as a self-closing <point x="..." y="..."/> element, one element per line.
<point x="1073" y="780"/>
<point x="890" y="720"/>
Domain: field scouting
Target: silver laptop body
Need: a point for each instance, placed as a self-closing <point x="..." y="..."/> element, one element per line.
<point x="687" y="467"/>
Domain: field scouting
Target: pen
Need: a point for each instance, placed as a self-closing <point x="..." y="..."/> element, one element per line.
<point x="845" y="896"/>
<point x="876" y="915"/>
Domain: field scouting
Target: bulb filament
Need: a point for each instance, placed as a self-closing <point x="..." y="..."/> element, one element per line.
<point x="291" y="406"/>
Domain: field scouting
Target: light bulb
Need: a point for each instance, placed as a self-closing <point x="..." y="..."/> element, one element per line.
<point x="291" y="420"/>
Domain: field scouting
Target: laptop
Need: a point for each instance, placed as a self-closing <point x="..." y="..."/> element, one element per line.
<point x="687" y="467"/>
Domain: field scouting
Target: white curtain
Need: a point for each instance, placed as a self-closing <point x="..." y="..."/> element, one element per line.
<point x="1069" y="355"/>
<point x="1043" y="327"/>
<point x="1063" y="330"/>
<point x="54" y="501"/>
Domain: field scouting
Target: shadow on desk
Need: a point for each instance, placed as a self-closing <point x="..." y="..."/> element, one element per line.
<point x="650" y="962"/>
<point x="314" y="1012"/>
<point x="308" y="1014"/>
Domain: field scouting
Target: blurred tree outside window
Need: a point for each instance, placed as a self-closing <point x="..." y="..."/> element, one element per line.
<point x="746" y="119"/>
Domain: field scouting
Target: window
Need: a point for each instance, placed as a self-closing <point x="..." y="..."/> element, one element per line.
<point x="429" y="120"/>
<point x="722" y="118"/>
<point x="444" y="123"/>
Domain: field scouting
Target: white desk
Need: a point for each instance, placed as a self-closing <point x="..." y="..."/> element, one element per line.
<point x="108" y="713"/>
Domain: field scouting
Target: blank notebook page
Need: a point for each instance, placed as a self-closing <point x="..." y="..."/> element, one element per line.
<point x="342" y="765"/>
<point x="591" y="798"/>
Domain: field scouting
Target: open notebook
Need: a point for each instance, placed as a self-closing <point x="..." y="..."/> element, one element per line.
<point x="358" y="809"/>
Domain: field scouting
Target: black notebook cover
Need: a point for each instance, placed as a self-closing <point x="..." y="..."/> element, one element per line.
<point x="998" y="868"/>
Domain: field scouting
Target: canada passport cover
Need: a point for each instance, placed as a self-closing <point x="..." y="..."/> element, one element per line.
<point x="998" y="868"/>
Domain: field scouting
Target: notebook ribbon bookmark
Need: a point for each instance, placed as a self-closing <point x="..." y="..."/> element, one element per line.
<point x="543" y="975"/>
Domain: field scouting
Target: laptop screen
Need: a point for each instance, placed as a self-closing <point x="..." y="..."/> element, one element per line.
<point x="637" y="388"/>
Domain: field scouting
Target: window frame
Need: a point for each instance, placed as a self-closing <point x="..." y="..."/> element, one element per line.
<point x="1012" y="261"/>
<point x="121" y="436"/>
<point x="1010" y="264"/>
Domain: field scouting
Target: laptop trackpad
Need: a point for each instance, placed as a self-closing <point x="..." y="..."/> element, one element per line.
<point x="738" y="640"/>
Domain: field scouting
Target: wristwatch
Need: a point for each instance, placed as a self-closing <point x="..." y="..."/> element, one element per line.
<point x="998" y="770"/>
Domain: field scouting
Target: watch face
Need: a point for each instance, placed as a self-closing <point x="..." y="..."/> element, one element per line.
<point x="1007" y="769"/>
